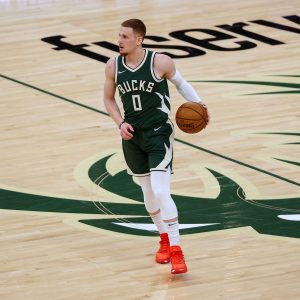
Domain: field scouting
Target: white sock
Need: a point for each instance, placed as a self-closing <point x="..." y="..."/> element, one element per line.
<point x="173" y="232"/>
<point x="160" y="224"/>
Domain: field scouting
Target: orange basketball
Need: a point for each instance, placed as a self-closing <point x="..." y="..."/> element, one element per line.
<point x="191" y="117"/>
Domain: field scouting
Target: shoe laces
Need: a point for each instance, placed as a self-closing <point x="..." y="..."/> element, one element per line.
<point x="164" y="246"/>
<point x="177" y="257"/>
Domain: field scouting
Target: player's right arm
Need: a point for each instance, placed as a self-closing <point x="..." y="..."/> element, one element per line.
<point x="110" y="101"/>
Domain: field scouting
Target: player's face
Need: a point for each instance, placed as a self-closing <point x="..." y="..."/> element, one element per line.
<point x="128" y="41"/>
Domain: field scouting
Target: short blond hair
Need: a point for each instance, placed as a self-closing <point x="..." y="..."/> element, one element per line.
<point x="137" y="25"/>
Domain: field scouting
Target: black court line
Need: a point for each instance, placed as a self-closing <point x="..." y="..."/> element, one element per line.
<point x="178" y="140"/>
<point x="54" y="95"/>
<point x="241" y="163"/>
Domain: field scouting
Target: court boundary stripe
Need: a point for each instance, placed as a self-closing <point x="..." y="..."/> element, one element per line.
<point x="54" y="95"/>
<point x="178" y="140"/>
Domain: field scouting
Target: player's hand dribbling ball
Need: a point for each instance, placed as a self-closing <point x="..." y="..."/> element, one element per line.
<point x="192" y="117"/>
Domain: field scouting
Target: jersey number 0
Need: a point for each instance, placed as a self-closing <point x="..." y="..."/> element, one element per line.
<point x="136" y="100"/>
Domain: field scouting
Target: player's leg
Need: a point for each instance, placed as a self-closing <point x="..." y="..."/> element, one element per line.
<point x="153" y="208"/>
<point x="152" y="204"/>
<point x="160" y="182"/>
<point x="137" y="165"/>
<point x="160" y="163"/>
<point x="160" y="144"/>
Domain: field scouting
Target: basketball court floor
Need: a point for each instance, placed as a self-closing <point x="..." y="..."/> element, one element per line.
<point x="72" y="222"/>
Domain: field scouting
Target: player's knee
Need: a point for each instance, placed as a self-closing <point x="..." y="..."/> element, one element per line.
<point x="160" y="193"/>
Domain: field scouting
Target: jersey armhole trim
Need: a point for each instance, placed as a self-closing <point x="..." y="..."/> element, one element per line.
<point x="152" y="69"/>
<point x="116" y="69"/>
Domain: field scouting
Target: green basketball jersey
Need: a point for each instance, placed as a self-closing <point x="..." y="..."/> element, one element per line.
<point x="145" y="97"/>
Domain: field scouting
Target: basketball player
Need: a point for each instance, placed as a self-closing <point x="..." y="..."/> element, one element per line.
<point x="147" y="133"/>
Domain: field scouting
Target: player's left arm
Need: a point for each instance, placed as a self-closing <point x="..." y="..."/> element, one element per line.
<point x="165" y="67"/>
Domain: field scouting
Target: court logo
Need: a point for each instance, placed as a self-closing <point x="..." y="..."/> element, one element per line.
<point x="230" y="209"/>
<point x="196" y="39"/>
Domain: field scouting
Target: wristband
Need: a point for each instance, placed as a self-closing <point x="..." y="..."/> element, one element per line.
<point x="121" y="124"/>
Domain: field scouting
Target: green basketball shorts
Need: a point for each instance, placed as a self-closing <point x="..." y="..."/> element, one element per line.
<point x="149" y="150"/>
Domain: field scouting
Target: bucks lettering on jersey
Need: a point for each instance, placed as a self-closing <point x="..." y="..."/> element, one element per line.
<point x="145" y="97"/>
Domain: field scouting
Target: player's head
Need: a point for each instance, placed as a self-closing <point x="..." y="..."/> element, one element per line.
<point x="131" y="35"/>
<point x="137" y="26"/>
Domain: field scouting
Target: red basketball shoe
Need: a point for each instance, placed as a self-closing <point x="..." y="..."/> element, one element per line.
<point x="177" y="260"/>
<point x="163" y="253"/>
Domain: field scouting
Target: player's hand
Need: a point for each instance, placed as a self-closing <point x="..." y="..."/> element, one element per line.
<point x="206" y="110"/>
<point x="126" y="131"/>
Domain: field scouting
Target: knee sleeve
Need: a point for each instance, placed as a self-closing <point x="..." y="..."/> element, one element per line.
<point x="160" y="182"/>
<point x="151" y="203"/>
